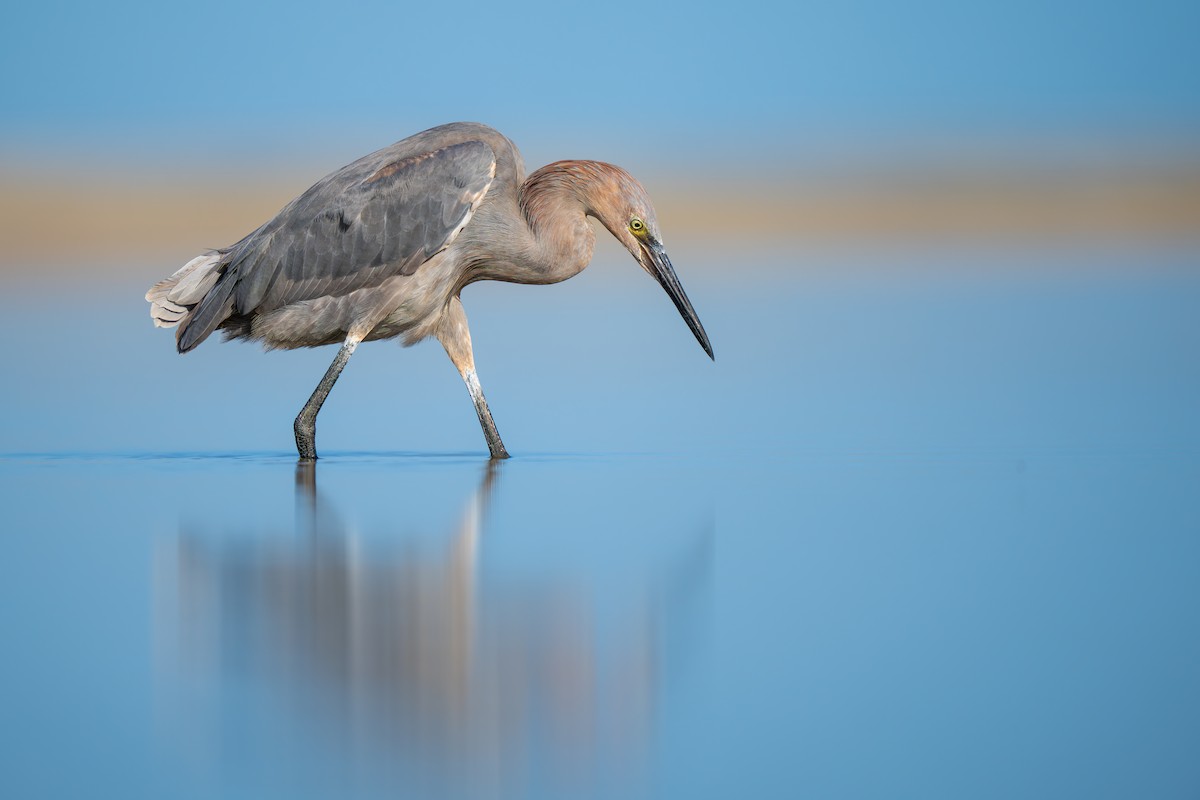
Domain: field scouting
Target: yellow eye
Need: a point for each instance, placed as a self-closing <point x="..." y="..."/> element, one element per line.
<point x="637" y="226"/>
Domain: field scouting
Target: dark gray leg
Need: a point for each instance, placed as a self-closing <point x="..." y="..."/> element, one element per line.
<point x="306" y="421"/>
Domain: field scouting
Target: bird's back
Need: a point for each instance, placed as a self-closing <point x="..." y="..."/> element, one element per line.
<point x="380" y="217"/>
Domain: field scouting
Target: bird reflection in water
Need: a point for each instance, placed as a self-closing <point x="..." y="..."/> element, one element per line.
<point x="395" y="663"/>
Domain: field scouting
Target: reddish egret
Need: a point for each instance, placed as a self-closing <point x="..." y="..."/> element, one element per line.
<point x="383" y="247"/>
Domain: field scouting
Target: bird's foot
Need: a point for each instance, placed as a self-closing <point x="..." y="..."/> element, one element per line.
<point x="306" y="436"/>
<point x="496" y="447"/>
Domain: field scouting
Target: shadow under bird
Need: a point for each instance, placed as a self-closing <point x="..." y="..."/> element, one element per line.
<point x="384" y="246"/>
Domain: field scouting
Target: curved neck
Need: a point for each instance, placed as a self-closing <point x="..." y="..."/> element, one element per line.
<point x="555" y="202"/>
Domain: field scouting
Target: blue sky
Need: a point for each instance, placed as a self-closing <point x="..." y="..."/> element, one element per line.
<point x="702" y="78"/>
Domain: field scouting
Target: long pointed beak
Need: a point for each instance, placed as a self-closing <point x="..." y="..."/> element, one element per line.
<point x="660" y="267"/>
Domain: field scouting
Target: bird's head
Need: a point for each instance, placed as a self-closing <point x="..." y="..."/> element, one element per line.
<point x="622" y="205"/>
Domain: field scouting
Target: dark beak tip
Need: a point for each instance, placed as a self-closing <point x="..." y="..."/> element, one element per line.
<point x="664" y="272"/>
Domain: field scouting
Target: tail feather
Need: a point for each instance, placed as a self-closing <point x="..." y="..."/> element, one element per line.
<point x="173" y="300"/>
<point x="170" y="299"/>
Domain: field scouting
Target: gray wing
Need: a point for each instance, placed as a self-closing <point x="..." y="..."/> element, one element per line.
<point x="384" y="215"/>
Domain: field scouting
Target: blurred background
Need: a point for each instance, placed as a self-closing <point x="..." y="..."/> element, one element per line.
<point x="926" y="527"/>
<point x="136" y="133"/>
<point x="951" y="156"/>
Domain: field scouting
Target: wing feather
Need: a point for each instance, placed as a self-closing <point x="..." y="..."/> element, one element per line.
<point x="375" y="224"/>
<point x="383" y="215"/>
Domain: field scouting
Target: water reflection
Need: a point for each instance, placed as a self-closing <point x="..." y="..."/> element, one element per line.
<point x="389" y="662"/>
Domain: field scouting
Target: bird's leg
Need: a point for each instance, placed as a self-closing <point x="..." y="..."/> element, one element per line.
<point x="456" y="338"/>
<point x="306" y="421"/>
<point x="495" y="446"/>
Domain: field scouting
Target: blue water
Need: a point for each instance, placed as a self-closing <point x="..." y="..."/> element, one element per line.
<point x="926" y="528"/>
